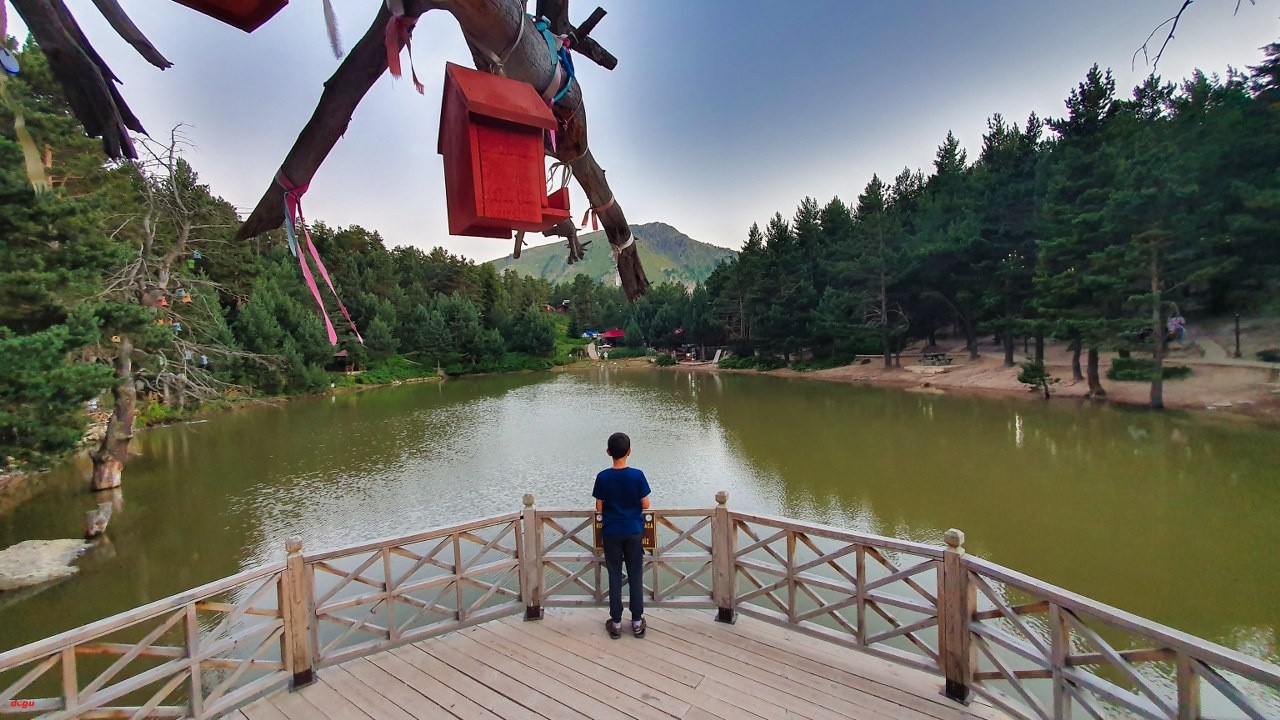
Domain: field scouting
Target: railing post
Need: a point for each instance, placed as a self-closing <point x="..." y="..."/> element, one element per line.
<point x="70" y="680"/>
<point x="1059" y="648"/>
<point x="1188" y="684"/>
<point x="531" y="561"/>
<point x="956" y="603"/>
<point x="298" y="615"/>
<point x="723" y="546"/>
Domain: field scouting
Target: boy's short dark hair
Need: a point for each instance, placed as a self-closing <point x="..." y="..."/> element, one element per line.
<point x="619" y="444"/>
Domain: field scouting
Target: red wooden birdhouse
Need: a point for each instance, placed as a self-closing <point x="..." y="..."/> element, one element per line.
<point x="247" y="15"/>
<point x="491" y="131"/>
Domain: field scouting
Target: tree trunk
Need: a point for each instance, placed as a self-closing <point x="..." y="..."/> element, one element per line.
<point x="933" y="336"/>
<point x="1076" y="375"/>
<point x="1157" y="325"/>
<point x="1008" y="349"/>
<point x="971" y="338"/>
<point x="1095" y="382"/>
<point x="884" y="319"/>
<point x="109" y="459"/>
<point x="1039" y="347"/>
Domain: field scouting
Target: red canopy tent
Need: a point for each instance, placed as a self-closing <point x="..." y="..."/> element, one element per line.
<point x="613" y="334"/>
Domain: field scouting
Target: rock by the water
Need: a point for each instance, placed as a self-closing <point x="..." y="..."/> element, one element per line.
<point x="38" y="561"/>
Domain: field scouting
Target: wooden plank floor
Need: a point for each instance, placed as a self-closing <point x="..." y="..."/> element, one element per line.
<point x="566" y="667"/>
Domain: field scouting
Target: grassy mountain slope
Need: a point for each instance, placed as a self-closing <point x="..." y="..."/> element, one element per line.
<point x="667" y="255"/>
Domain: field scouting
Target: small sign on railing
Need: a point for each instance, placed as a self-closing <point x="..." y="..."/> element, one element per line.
<point x="648" y="537"/>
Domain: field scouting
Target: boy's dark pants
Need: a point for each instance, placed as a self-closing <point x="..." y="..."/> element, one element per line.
<point x="618" y="548"/>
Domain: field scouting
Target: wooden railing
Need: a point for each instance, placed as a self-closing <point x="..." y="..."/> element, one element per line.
<point x="1039" y="651"/>
<point x="877" y="594"/>
<point x="198" y="654"/>
<point x="1032" y="649"/>
<point x="387" y="593"/>
<point x="569" y="573"/>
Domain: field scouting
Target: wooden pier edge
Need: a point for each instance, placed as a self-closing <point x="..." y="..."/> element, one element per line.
<point x="756" y="568"/>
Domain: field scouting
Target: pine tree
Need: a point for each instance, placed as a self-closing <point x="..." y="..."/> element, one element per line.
<point x="533" y="333"/>
<point x="872" y="266"/>
<point x="1005" y="178"/>
<point x="949" y="242"/>
<point x="1152" y="207"/>
<point x="1082" y="299"/>
<point x="42" y="396"/>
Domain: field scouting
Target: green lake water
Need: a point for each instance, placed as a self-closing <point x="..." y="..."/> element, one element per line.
<point x="1173" y="517"/>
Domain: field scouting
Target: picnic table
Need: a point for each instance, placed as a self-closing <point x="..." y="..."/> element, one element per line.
<point x="935" y="358"/>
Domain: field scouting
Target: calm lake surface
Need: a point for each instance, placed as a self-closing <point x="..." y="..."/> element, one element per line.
<point x="1173" y="517"/>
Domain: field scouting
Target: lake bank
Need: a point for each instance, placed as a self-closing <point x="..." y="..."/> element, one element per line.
<point x="16" y="484"/>
<point x="1245" y="392"/>
<point x="206" y="500"/>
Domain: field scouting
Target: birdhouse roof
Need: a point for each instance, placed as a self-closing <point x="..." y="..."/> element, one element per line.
<point x="248" y="15"/>
<point x="498" y="97"/>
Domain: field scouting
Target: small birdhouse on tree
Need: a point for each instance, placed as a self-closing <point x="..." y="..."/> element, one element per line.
<point x="247" y="15"/>
<point x="491" y="131"/>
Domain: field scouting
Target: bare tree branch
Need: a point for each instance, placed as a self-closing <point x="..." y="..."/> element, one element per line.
<point x="1172" y="24"/>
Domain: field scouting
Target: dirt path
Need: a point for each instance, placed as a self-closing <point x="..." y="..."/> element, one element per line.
<point x="1225" y="386"/>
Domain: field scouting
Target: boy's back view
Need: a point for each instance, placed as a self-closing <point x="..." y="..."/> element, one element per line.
<point x="622" y="496"/>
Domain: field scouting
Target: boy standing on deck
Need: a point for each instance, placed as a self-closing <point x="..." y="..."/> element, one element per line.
<point x="622" y="496"/>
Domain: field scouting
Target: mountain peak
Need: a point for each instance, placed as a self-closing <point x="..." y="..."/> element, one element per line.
<point x="667" y="254"/>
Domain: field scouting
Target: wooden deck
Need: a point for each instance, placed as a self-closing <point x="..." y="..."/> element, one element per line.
<point x="832" y="623"/>
<point x="566" y="667"/>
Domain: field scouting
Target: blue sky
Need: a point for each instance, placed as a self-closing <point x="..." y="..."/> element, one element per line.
<point x="719" y="113"/>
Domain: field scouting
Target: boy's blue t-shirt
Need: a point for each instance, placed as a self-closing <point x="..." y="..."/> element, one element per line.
<point x="621" y="491"/>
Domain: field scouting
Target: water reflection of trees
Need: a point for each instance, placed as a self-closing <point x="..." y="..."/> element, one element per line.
<point x="1123" y="506"/>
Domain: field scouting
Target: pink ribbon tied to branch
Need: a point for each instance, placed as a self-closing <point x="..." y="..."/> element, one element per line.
<point x="593" y="214"/>
<point x="399" y="30"/>
<point x="294" y="221"/>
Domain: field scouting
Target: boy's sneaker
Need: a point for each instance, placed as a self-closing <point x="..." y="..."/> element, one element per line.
<point x="614" y="629"/>
<point x="638" y="627"/>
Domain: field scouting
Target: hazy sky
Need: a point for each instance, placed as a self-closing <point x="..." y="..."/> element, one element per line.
<point x="719" y="112"/>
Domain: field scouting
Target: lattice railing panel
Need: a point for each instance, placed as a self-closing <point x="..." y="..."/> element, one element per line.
<point x="877" y="594"/>
<point x="389" y="593"/>
<point x="197" y="654"/>
<point x="572" y="573"/>
<point x="1043" y="652"/>
<point x="677" y="573"/>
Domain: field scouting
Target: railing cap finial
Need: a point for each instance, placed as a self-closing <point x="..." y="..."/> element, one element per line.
<point x="953" y="538"/>
<point x="528" y="500"/>
<point x="722" y="497"/>
<point x="293" y="544"/>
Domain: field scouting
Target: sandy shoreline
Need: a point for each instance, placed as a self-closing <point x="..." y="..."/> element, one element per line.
<point x="1246" y="392"/>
